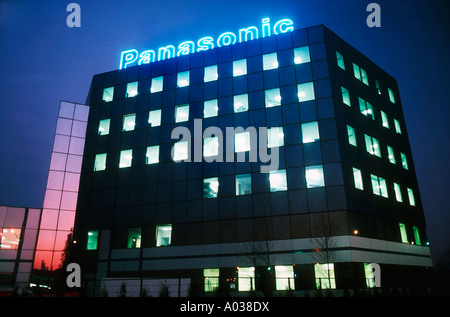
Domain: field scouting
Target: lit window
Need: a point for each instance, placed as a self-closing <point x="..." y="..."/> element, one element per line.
<point x="275" y="137"/>
<point x="277" y="180"/>
<point x="181" y="113"/>
<point x="360" y="74"/>
<point x="240" y="67"/>
<point x="9" y="238"/>
<point x="366" y="108"/>
<point x="92" y="240"/>
<point x="100" y="162"/>
<point x="211" y="73"/>
<point x="391" y="155"/>
<point x="134" y="238"/>
<point x="126" y="156"/>
<point x="270" y="61"/>
<point x="391" y="95"/>
<point x="103" y="127"/>
<point x="108" y="94"/>
<point x="301" y="55"/>
<point x="310" y="132"/>
<point x="411" y="199"/>
<point x="404" y="161"/>
<point x="417" y="235"/>
<point x="324" y="274"/>
<point x="210" y="187"/>
<point x="163" y="235"/>
<point x="243" y="184"/>
<point x="242" y="142"/>
<point x="240" y="103"/>
<point x="370" y="276"/>
<point x="132" y="89"/>
<point x="152" y="155"/>
<point x="211" y="278"/>
<point x="210" y="108"/>
<point x="157" y="84"/>
<point x="284" y="275"/>
<point x="314" y="176"/>
<point x="379" y="187"/>
<point x="129" y="121"/>
<point x="345" y="96"/>
<point x="351" y="135"/>
<point x="340" y="60"/>
<point x="154" y="118"/>
<point x="378" y="87"/>
<point x="403" y="234"/>
<point x="211" y="146"/>
<point x="384" y="120"/>
<point x="180" y="151"/>
<point x="398" y="192"/>
<point x="183" y="79"/>
<point x="357" y="177"/>
<point x="398" y="130"/>
<point x="246" y="279"/>
<point x="372" y="146"/>
<point x="306" y="92"/>
<point x="273" y="97"/>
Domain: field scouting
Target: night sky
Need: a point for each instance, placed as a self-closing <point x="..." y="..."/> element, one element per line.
<point x="43" y="61"/>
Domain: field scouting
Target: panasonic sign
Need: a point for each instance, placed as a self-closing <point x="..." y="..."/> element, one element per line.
<point x="133" y="57"/>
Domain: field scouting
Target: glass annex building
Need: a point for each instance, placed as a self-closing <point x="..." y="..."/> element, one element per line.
<point x="342" y="199"/>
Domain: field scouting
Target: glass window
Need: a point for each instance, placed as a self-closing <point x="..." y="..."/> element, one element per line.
<point x="301" y="55"/>
<point x="211" y="73"/>
<point x="345" y="96"/>
<point x="417" y="235"/>
<point x="403" y="234"/>
<point x="157" y="84"/>
<point x="154" y="118"/>
<point x="163" y="235"/>
<point x="100" y="162"/>
<point x="183" y="79"/>
<point x="126" y="156"/>
<point x="384" y="120"/>
<point x="273" y="97"/>
<point x="378" y="87"/>
<point x="366" y="108"/>
<point x="240" y="103"/>
<point x="132" y="89"/>
<point x="181" y="113"/>
<point x="108" y="94"/>
<point x="211" y="278"/>
<point x="210" y="187"/>
<point x="284" y="275"/>
<point x="391" y="155"/>
<point x="210" y="108"/>
<point x="391" y="95"/>
<point x="398" y="192"/>
<point x="180" y="151"/>
<point x="411" y="199"/>
<point x="379" y="187"/>
<point x="277" y="180"/>
<point x="372" y="145"/>
<point x="103" y="127"/>
<point x="306" y="92"/>
<point x="9" y="238"/>
<point x="340" y="60"/>
<point x="360" y="74"/>
<point x="211" y="146"/>
<point x="310" y="132"/>
<point x="275" y="137"/>
<point x="240" y="67"/>
<point x="152" y="155"/>
<point x="370" y="277"/>
<point x="242" y="142"/>
<point x="324" y="274"/>
<point x="357" y="177"/>
<point x="351" y="135"/>
<point x="270" y="61"/>
<point x="134" y="238"/>
<point x="92" y="240"/>
<point x="129" y="121"/>
<point x="314" y="176"/>
<point x="398" y="130"/>
<point x="246" y="279"/>
<point x="243" y="184"/>
<point x="404" y="161"/>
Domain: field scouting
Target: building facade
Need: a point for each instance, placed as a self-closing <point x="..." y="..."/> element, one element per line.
<point x="280" y="163"/>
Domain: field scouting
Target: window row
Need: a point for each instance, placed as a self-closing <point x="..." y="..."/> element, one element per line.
<point x="379" y="187"/>
<point x="239" y="68"/>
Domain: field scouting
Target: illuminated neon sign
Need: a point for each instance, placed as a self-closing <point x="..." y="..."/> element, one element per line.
<point x="133" y="57"/>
